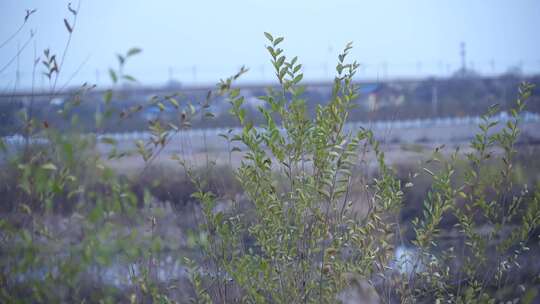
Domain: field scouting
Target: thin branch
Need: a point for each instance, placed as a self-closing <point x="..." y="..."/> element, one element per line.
<point x="28" y="14"/>
<point x="19" y="51"/>
<point x="31" y="106"/>
<point x="68" y="42"/>
<point x="79" y="68"/>
<point x="12" y="35"/>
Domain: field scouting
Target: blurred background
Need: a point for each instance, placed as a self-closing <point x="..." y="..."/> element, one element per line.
<point x="199" y="42"/>
<point x="418" y="59"/>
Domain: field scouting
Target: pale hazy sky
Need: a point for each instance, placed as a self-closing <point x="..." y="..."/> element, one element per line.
<point x="412" y="38"/>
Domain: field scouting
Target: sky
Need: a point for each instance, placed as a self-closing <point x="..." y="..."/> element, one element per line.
<point x="199" y="42"/>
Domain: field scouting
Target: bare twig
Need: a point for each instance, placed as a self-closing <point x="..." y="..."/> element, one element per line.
<point x="19" y="29"/>
<point x="68" y="42"/>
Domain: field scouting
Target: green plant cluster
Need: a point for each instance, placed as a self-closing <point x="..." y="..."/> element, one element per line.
<point x="295" y="235"/>
<point x="306" y="240"/>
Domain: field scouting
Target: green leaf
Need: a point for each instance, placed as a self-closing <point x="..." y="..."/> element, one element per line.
<point x="129" y="78"/>
<point x="271" y="51"/>
<point x="280" y="61"/>
<point x="298" y="78"/>
<point x="161" y="106"/>
<point x="68" y="27"/>
<point x="113" y="76"/>
<point x="269" y="37"/>
<point x="26" y="236"/>
<point x="174" y="102"/>
<point x="49" y="166"/>
<point x="278" y="41"/>
<point x="133" y="51"/>
<point x="121" y="59"/>
<point x="3" y="146"/>
<point x="68" y="151"/>
<point x="26" y="208"/>
<point x="108" y="96"/>
<point x="108" y="140"/>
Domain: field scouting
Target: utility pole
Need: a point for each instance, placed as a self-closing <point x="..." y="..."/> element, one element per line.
<point x="385" y="70"/>
<point x="418" y="67"/>
<point x="463" y="54"/>
<point x="434" y="100"/>
<point x="492" y="65"/>
<point x="327" y="74"/>
<point x="171" y="73"/>
<point x="194" y="73"/>
<point x="363" y="69"/>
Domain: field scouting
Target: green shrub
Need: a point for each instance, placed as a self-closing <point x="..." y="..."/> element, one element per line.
<point x="307" y="240"/>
